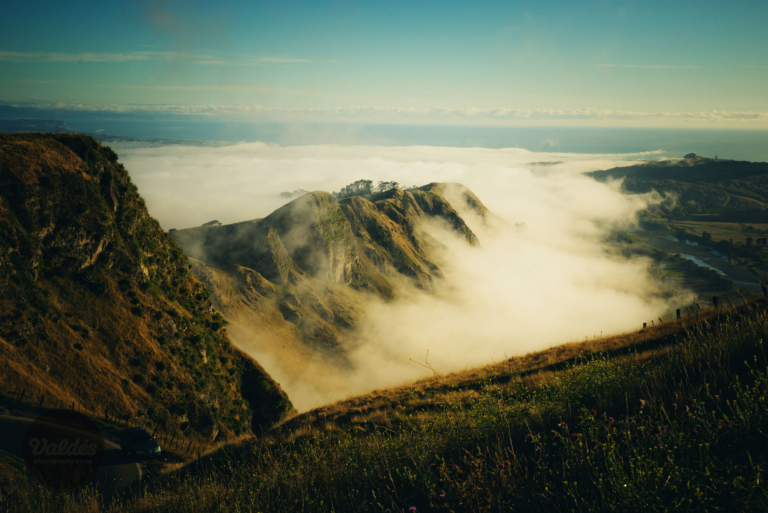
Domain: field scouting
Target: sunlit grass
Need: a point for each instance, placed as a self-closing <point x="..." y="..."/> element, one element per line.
<point x="680" y="429"/>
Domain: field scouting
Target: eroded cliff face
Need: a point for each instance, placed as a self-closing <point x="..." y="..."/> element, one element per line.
<point x="296" y="283"/>
<point x="98" y="304"/>
<point x="464" y="200"/>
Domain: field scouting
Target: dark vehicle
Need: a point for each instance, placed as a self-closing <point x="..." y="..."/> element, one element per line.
<point x="138" y="442"/>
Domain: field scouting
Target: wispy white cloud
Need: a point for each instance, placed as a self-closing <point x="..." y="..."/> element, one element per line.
<point x="71" y="57"/>
<point x="223" y="88"/>
<point x="280" y="59"/>
<point x="201" y="59"/>
<point x="649" y="66"/>
<point x="43" y="81"/>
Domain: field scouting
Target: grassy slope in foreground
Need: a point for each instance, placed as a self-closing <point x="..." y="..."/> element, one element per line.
<point x="98" y="305"/>
<point x="668" y="419"/>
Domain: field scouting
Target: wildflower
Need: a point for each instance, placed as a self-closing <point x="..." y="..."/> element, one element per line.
<point x="442" y="496"/>
<point x="575" y="435"/>
<point x="502" y="465"/>
<point x="412" y="508"/>
<point x="594" y="412"/>
<point x="610" y="419"/>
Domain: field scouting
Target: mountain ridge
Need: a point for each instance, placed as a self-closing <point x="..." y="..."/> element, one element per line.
<point x="295" y="284"/>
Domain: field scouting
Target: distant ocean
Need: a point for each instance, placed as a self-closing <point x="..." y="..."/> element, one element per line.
<point x="728" y="144"/>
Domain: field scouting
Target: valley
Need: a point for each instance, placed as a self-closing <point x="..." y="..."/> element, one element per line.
<point x="204" y="333"/>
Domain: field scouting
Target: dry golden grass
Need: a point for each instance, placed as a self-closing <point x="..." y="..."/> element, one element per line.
<point x="423" y="396"/>
<point x="723" y="231"/>
<point x="98" y="306"/>
<point x="27" y="159"/>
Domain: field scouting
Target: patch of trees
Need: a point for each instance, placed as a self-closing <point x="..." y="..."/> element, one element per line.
<point x="654" y="225"/>
<point x="365" y="188"/>
<point x="624" y="237"/>
<point x="358" y="188"/>
<point x="716" y="280"/>
<point x="751" y="249"/>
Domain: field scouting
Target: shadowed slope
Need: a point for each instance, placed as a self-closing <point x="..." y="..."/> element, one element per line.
<point x="97" y="303"/>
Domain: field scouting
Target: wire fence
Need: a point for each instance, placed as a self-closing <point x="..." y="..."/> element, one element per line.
<point x="692" y="309"/>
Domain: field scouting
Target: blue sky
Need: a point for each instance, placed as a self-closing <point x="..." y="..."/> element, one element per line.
<point x="604" y="63"/>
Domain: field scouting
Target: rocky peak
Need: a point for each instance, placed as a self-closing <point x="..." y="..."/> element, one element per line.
<point x="314" y="260"/>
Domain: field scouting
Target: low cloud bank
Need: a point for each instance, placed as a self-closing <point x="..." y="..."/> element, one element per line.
<point x="500" y="116"/>
<point x="528" y="288"/>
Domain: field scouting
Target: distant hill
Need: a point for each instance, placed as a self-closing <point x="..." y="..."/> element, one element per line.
<point x="11" y="126"/>
<point x="702" y="185"/>
<point x="696" y="169"/>
<point x="295" y="283"/>
<point x="98" y="304"/>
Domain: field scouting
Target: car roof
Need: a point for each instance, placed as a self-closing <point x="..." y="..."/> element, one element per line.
<point x="134" y="430"/>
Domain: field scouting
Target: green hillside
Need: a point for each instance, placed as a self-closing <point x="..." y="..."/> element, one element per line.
<point x="721" y="204"/>
<point x="668" y="419"/>
<point x="702" y="185"/>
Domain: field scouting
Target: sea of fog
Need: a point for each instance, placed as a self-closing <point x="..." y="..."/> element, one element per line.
<point x="729" y="144"/>
<point x="544" y="282"/>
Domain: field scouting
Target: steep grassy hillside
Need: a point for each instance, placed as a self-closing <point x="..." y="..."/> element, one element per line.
<point x="666" y="419"/>
<point x="98" y="304"/>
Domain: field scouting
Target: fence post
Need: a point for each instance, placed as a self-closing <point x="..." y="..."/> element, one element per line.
<point x="660" y="321"/>
<point x="42" y="398"/>
<point x="714" y="301"/>
<point x="22" y="395"/>
<point x="644" y="325"/>
<point x="678" y="314"/>
<point x="729" y="301"/>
